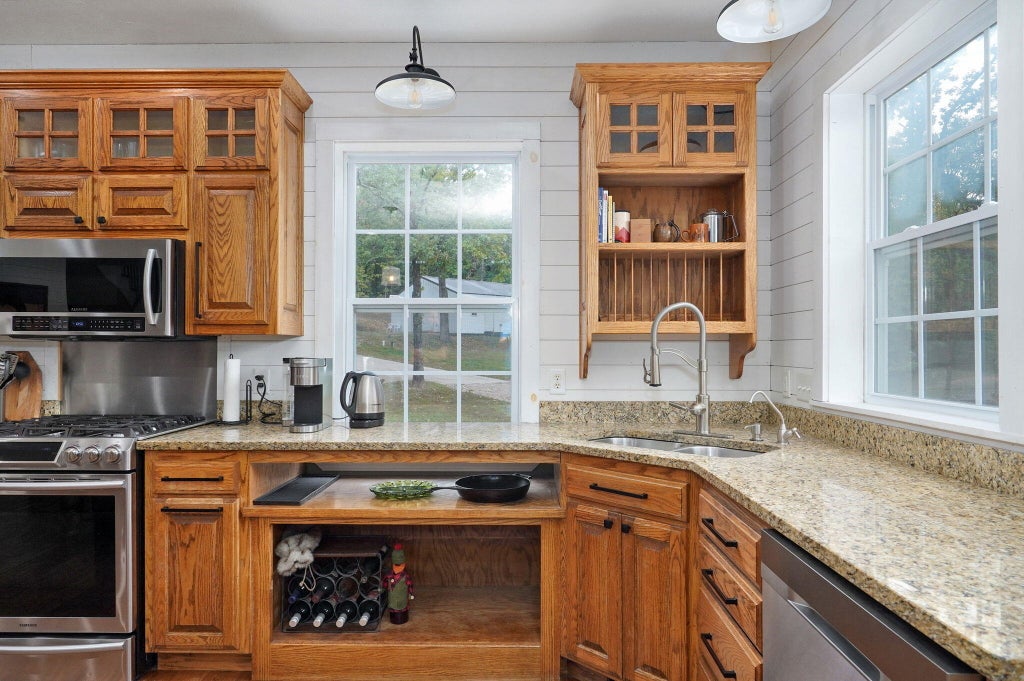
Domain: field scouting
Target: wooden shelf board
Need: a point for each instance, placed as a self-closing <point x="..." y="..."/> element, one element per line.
<point x="725" y="247"/>
<point x="669" y="176"/>
<point x="349" y="500"/>
<point x="454" y="617"/>
<point x="666" y="329"/>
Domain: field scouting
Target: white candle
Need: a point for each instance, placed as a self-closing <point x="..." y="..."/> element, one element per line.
<point x="232" y="388"/>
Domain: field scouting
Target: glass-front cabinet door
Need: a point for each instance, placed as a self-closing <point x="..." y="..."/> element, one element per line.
<point x="635" y="130"/>
<point x="142" y="133"/>
<point x="47" y="133"/>
<point x="230" y="131"/>
<point x="707" y="130"/>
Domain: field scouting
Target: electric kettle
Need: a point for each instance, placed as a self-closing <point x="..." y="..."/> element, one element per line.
<point x="718" y="228"/>
<point x="364" y="402"/>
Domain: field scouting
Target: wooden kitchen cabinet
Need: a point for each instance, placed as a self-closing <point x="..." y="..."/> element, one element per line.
<point x="214" y="158"/>
<point x="196" y="556"/>
<point x="727" y="629"/>
<point x="626" y="579"/>
<point x="668" y="141"/>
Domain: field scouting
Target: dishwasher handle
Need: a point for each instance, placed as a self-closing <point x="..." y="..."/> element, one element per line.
<point x="837" y="641"/>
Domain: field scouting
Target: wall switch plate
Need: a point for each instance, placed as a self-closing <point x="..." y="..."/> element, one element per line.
<point x="556" y="381"/>
<point x="801" y="385"/>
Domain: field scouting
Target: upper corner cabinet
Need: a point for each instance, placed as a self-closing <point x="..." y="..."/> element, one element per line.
<point x="668" y="142"/>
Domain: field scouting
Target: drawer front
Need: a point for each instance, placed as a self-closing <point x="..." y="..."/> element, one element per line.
<point x="627" y="491"/>
<point x="195" y="477"/>
<point x="732" y="591"/>
<point x="732" y="535"/>
<point x="723" y="648"/>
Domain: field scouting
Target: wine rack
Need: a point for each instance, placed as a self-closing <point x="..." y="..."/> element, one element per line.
<point x="353" y="567"/>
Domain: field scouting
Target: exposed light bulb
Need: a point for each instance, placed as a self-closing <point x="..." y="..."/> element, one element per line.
<point x="773" y="18"/>
<point x="415" y="99"/>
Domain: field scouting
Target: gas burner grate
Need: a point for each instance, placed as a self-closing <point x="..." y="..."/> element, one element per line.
<point x="76" y="425"/>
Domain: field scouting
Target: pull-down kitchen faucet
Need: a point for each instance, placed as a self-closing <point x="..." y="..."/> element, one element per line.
<point x="701" y="407"/>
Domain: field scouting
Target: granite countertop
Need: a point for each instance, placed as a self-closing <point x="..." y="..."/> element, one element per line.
<point x="946" y="556"/>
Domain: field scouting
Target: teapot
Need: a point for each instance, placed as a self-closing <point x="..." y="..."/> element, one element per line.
<point x="666" y="231"/>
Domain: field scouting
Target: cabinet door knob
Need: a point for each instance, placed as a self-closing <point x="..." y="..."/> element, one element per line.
<point x="608" y="523"/>
<point x="626" y="528"/>
<point x="79" y="220"/>
<point x="101" y="220"/>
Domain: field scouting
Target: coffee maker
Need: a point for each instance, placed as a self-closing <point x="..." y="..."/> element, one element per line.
<point x="308" y="403"/>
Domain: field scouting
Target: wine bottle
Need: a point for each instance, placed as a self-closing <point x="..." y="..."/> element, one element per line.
<point x="322" y="611"/>
<point x="346" y="587"/>
<point x="369" y="611"/>
<point x="369" y="567"/>
<point x="322" y="588"/>
<point x="345" y="611"/>
<point x="300" y="612"/>
<point x="297" y="588"/>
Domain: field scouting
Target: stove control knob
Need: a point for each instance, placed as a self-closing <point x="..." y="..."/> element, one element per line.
<point x="92" y="453"/>
<point x="73" y="453"/>
<point x="112" y="454"/>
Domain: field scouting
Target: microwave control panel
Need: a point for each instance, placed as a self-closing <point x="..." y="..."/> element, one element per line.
<point x="81" y="324"/>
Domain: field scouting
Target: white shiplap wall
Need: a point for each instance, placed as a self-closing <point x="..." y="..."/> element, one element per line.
<point x="496" y="82"/>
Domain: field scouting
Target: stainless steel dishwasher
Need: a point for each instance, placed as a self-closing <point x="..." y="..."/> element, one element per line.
<point x="819" y="626"/>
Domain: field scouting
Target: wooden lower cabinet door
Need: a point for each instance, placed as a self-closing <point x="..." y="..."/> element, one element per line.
<point x="141" y="202"/>
<point x="654" y="600"/>
<point x="229" y="280"/>
<point x="594" y="581"/>
<point x="195" y="574"/>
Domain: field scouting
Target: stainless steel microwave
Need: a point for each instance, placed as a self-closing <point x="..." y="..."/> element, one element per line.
<point x="92" y="287"/>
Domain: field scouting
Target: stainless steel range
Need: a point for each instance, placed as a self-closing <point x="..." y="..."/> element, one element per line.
<point x="70" y="508"/>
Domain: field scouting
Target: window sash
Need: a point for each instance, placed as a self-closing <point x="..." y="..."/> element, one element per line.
<point x="459" y="303"/>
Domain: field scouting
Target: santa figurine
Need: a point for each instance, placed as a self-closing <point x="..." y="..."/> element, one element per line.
<point x="399" y="586"/>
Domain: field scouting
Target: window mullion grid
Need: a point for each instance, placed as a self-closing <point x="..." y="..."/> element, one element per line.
<point x="458" y="356"/>
<point x="919" y="314"/>
<point x="406" y="312"/>
<point x="976" y="238"/>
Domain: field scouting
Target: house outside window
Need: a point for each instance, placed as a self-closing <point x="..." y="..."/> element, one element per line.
<point x="932" y="251"/>
<point x="433" y="304"/>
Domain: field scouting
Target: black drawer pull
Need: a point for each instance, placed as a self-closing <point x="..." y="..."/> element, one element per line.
<point x="168" y="509"/>
<point x="709" y="577"/>
<point x="608" y="523"/>
<point x="710" y="524"/>
<point x="726" y="673"/>
<point x="626" y="528"/>
<point x="167" y="478"/>
<point x="621" y="492"/>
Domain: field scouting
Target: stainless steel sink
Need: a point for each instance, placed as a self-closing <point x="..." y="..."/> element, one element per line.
<point x="679" y="447"/>
<point x="719" y="452"/>
<point x="645" y="442"/>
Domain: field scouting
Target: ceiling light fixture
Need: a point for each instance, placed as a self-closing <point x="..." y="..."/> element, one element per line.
<point x="417" y="88"/>
<point x="759" y="21"/>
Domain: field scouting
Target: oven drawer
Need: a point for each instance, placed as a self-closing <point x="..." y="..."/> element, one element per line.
<point x="731" y="534"/>
<point x="623" y="490"/>
<point x="67" y="659"/>
<point x="195" y="477"/>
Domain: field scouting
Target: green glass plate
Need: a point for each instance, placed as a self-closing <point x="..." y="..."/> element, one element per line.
<point x="403" y="489"/>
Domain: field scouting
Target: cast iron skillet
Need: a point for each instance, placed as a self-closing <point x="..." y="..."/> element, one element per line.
<point x="492" y="488"/>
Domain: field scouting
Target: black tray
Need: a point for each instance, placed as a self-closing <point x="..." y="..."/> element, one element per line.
<point x="297" y="491"/>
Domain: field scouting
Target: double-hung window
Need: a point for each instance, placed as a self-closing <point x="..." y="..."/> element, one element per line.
<point x="933" y="242"/>
<point x="432" y="301"/>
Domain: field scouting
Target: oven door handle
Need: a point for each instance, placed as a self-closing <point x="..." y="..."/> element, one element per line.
<point x="80" y="648"/>
<point x="147" y="287"/>
<point x="69" y="486"/>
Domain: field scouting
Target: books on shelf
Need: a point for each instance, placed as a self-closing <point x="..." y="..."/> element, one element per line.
<point x="605" y="216"/>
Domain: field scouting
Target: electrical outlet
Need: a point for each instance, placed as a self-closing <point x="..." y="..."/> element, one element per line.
<point x="801" y="385"/>
<point x="556" y="381"/>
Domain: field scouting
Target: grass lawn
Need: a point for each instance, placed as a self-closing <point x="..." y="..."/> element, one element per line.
<point x="479" y="352"/>
<point x="434" y="402"/>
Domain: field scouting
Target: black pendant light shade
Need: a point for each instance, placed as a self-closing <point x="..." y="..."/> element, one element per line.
<point x="417" y="88"/>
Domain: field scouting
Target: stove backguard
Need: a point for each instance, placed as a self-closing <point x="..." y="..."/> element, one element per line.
<point x="140" y="377"/>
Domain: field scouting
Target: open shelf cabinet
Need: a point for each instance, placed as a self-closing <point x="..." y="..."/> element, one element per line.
<point x="647" y="136"/>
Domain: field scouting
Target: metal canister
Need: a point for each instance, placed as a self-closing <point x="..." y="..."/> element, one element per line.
<point x="718" y="228"/>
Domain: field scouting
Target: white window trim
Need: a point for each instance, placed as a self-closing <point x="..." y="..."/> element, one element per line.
<point x="846" y="188"/>
<point x="335" y="141"/>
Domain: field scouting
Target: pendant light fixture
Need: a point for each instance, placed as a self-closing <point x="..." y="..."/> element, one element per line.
<point x="417" y="88"/>
<point x="759" y="21"/>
